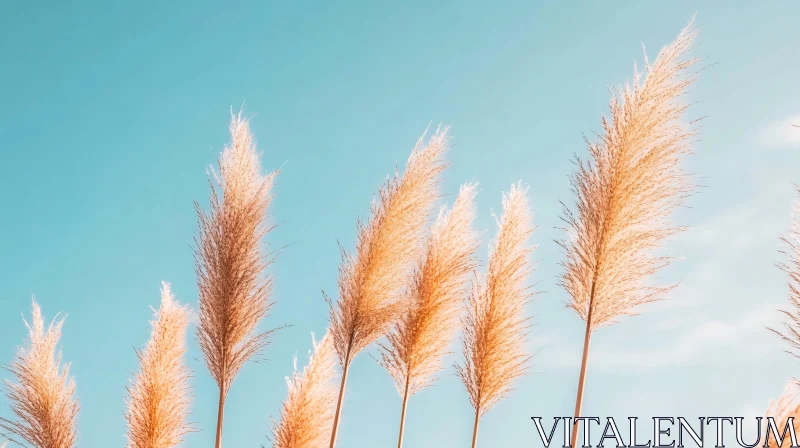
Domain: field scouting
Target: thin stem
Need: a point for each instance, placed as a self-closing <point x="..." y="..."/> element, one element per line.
<point x="475" y="428"/>
<point x="220" y="415"/>
<point x="581" y="384"/>
<point x="403" y="415"/>
<point x="582" y="377"/>
<point x="341" y="399"/>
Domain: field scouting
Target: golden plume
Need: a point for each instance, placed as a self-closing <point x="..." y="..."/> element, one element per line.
<point x="159" y="398"/>
<point x="791" y="333"/>
<point x="371" y="281"/>
<point x="307" y="413"/>
<point x="496" y="326"/>
<point x="419" y="340"/>
<point x="230" y="262"/>
<point x="625" y="196"/>
<point x="788" y="405"/>
<point x="42" y="399"/>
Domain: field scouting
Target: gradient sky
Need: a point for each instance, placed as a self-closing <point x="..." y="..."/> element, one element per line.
<point x="112" y="110"/>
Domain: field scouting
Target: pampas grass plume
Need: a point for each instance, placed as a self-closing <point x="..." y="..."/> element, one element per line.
<point x="788" y="405"/>
<point x="230" y="263"/>
<point x="418" y="341"/>
<point x="307" y="413"/>
<point x="42" y="398"/>
<point x="625" y="196"/>
<point x="627" y="192"/>
<point x="496" y="325"/>
<point x="387" y="247"/>
<point x="791" y="326"/>
<point x="159" y="398"/>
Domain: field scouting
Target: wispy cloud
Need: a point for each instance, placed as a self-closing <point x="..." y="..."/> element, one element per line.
<point x="689" y="347"/>
<point x="740" y="228"/>
<point x="783" y="133"/>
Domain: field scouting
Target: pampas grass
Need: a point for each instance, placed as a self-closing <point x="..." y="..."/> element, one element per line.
<point x="496" y="327"/>
<point x="791" y="325"/>
<point x="234" y="293"/>
<point x="625" y="196"/>
<point x="42" y="398"/>
<point x="159" y="398"/>
<point x="307" y="413"/>
<point x="371" y="280"/>
<point x="788" y="405"/>
<point x="419" y="340"/>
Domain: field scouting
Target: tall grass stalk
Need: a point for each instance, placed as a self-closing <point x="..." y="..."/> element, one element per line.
<point x="43" y="396"/>
<point x="231" y="264"/>
<point x="159" y="397"/>
<point x="496" y="325"/>
<point x="371" y="281"/>
<point x="418" y="341"/>
<point x="307" y="413"/>
<point x="786" y="406"/>
<point x="625" y="195"/>
<point x="791" y="325"/>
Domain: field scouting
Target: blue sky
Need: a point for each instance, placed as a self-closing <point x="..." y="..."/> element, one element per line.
<point x="111" y="112"/>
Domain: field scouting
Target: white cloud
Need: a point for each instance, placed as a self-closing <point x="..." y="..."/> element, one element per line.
<point x="698" y="344"/>
<point x="783" y="133"/>
<point x="695" y="345"/>
<point x="739" y="228"/>
<point x="536" y="343"/>
<point x="750" y="412"/>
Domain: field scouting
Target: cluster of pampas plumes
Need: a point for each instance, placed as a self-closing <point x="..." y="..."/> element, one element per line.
<point x="496" y="326"/>
<point x="418" y="341"/>
<point x="371" y="281"/>
<point x="43" y="397"/>
<point x="406" y="280"/>
<point x="625" y="196"/>
<point x="158" y="406"/>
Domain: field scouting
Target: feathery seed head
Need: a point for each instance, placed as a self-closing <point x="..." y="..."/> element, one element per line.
<point x="307" y="413"/>
<point x="496" y="325"/>
<point x="371" y="280"/>
<point x="788" y="405"/>
<point x="42" y="398"/>
<point x="159" y="397"/>
<point x="628" y="190"/>
<point x="791" y="326"/>
<point x="234" y="292"/>
<point x="419" y="339"/>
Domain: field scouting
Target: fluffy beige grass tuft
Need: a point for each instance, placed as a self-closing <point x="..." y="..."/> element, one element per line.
<point x="496" y="326"/>
<point x="625" y="196"/>
<point x="418" y="341"/>
<point x="371" y="281"/>
<point x="788" y="405"/>
<point x="159" y="398"/>
<point x="230" y="262"/>
<point x="42" y="398"/>
<point x="627" y="193"/>
<point x="791" y="326"/>
<point x="307" y="413"/>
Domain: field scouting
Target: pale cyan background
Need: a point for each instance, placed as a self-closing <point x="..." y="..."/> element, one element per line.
<point x="110" y="112"/>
